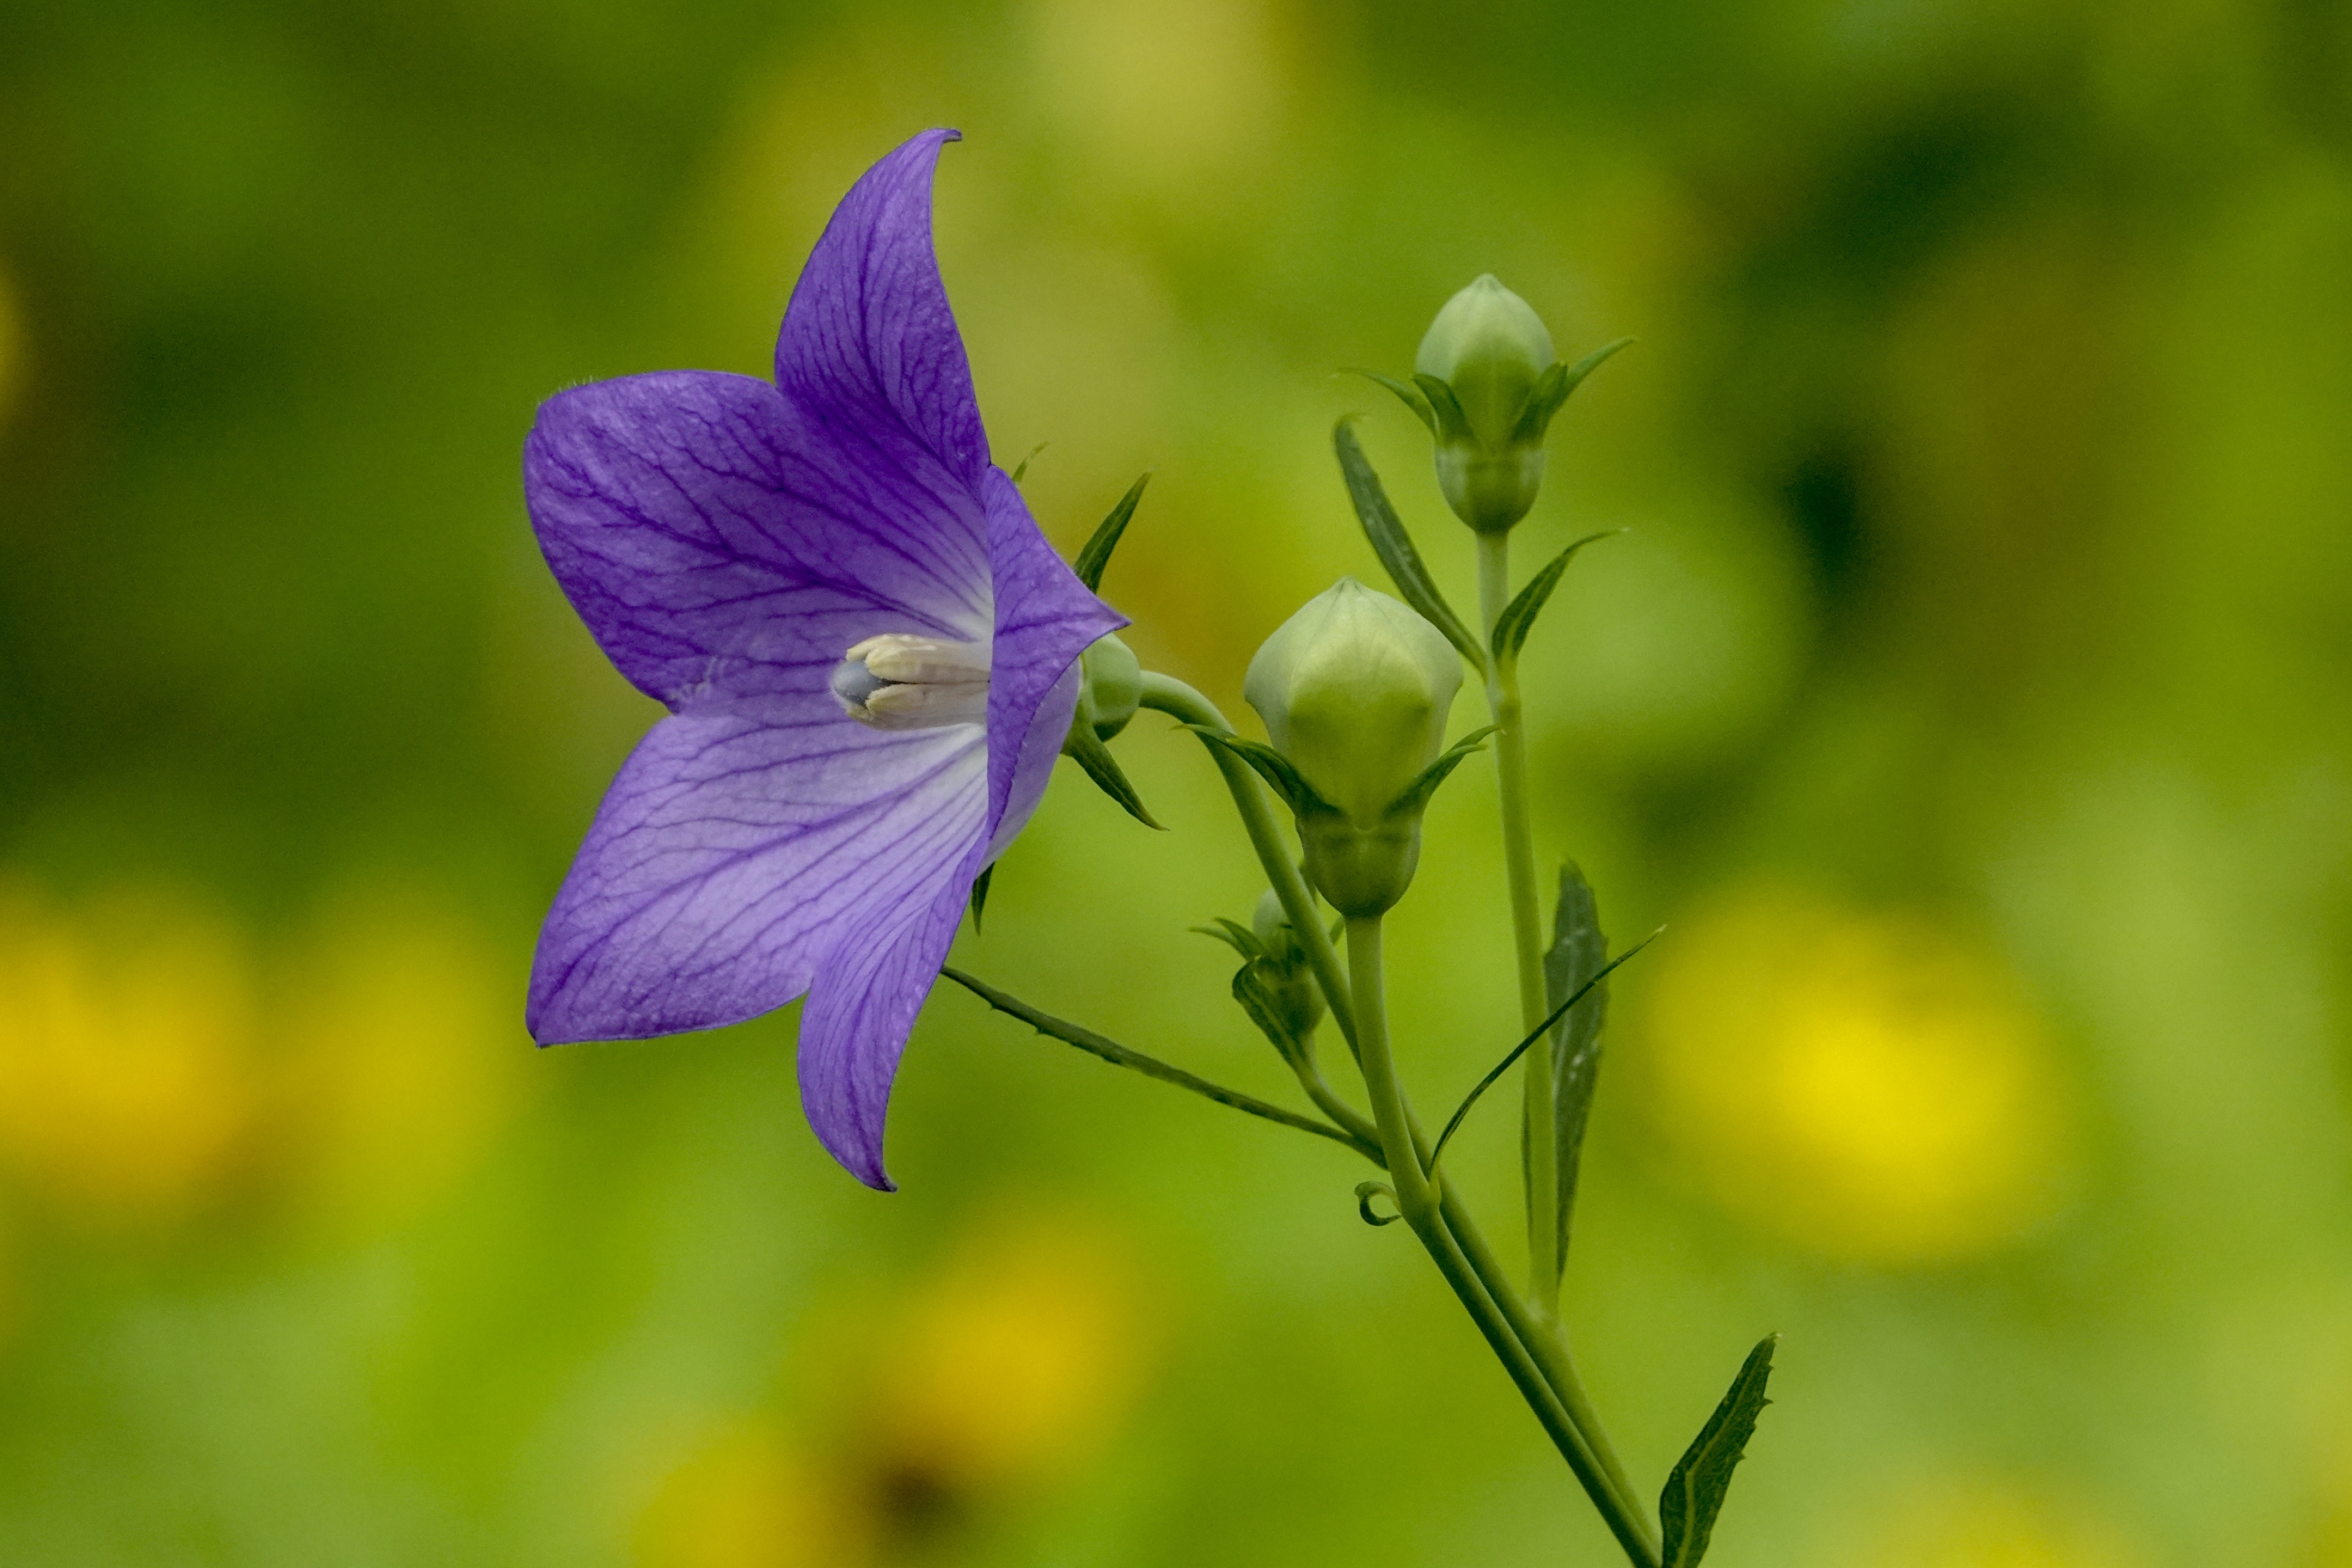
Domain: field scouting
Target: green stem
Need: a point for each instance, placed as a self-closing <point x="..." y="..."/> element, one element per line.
<point x="1498" y="1314"/>
<point x="1530" y="1352"/>
<point x="1544" y="1262"/>
<point x="1172" y="697"/>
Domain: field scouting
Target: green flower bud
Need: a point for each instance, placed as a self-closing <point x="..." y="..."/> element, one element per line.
<point x="1489" y="349"/>
<point x="1290" y="983"/>
<point x="1354" y="689"/>
<point x="1112" y="686"/>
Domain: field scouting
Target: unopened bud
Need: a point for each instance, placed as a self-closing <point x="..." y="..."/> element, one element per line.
<point x="1354" y="689"/>
<point x="1489" y="348"/>
<point x="1112" y="686"/>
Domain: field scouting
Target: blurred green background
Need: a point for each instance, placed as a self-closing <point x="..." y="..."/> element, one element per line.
<point x="1968" y="697"/>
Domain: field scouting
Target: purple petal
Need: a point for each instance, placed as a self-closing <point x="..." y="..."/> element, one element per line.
<point x="860" y="1009"/>
<point x="1044" y="618"/>
<point x="869" y="345"/>
<point x="717" y="543"/>
<point x="732" y="854"/>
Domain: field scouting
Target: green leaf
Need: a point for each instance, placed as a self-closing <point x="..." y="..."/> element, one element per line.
<point x="1552" y="388"/>
<point x="1088" y="750"/>
<point x="1453" y="424"/>
<point x="1515" y="1052"/>
<point x="979" y="894"/>
<point x="1097" y="555"/>
<point x="1021" y="468"/>
<point x="1574" y="966"/>
<point x="1693" y="1494"/>
<point x="1416" y="795"/>
<point x="1270" y="766"/>
<point x="1407" y="393"/>
<point x="1518" y="616"/>
<point x="1393" y="545"/>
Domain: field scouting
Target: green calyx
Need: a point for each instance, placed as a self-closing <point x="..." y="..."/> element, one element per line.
<point x="1354" y="691"/>
<point x="1486" y="384"/>
<point x="1111" y="688"/>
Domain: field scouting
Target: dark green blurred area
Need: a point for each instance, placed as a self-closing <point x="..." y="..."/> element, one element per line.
<point x="1969" y="698"/>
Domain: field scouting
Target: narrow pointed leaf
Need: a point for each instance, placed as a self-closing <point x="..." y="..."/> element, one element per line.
<point x="1518" y="616"/>
<point x="979" y="894"/>
<point x="1574" y="966"/>
<point x="1393" y="545"/>
<point x="1415" y="796"/>
<point x="1097" y="555"/>
<point x="1087" y="748"/>
<point x="1112" y="1051"/>
<point x="1412" y="396"/>
<point x="1694" y="1491"/>
<point x="1021" y="469"/>
<point x="1515" y="1052"/>
<point x="1553" y="389"/>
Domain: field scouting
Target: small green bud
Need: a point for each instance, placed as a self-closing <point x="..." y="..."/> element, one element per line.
<point x="1290" y="981"/>
<point x="1354" y="689"/>
<point x="1111" y="685"/>
<point x="1488" y="348"/>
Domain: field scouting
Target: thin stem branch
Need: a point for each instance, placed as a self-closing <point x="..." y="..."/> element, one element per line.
<point x="1118" y="1054"/>
<point x="1544" y="1262"/>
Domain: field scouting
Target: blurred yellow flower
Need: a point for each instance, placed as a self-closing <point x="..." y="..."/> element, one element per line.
<point x="747" y="1501"/>
<point x="1869" y="1085"/>
<point x="125" y="1033"/>
<point x="1014" y="1359"/>
<point x="401" y="1055"/>
<point x="1962" y="1522"/>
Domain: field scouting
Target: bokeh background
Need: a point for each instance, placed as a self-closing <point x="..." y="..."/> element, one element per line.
<point x="1967" y="698"/>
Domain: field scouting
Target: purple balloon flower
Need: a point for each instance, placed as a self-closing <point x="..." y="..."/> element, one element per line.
<point x="866" y="647"/>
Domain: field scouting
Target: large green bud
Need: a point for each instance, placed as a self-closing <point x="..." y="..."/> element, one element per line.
<point x="1481" y="365"/>
<point x="1354" y="689"/>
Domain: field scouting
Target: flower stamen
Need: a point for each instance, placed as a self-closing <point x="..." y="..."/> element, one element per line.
<point x="901" y="681"/>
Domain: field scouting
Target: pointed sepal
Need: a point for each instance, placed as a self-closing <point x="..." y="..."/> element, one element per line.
<point x="1518" y="616"/>
<point x="1553" y="389"/>
<point x="1414" y="797"/>
<point x="1270" y="766"/>
<point x="1087" y="748"/>
<point x="1409" y="394"/>
<point x="1096" y="555"/>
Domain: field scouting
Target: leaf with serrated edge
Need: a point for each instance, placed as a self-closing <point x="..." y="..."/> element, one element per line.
<point x="1393" y="545"/>
<point x="1552" y="390"/>
<point x="1694" y="1491"/>
<point x="1097" y="555"/>
<point x="1518" y="616"/>
<point x="1579" y="952"/>
<point x="1090" y="754"/>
